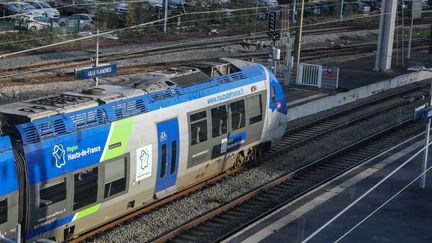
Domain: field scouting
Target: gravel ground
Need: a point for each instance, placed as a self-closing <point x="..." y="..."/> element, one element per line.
<point x="150" y="225"/>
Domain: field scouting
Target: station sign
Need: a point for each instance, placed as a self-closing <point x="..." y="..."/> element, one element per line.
<point x="419" y="112"/>
<point x="94" y="72"/>
<point x="416" y="8"/>
<point x="427" y="114"/>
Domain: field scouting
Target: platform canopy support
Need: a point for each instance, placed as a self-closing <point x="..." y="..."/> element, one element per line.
<point x="385" y="36"/>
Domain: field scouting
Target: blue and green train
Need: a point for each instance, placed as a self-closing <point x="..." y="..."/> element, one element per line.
<point x="72" y="162"/>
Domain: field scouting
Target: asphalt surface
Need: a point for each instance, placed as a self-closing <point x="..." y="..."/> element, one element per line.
<point x="406" y="218"/>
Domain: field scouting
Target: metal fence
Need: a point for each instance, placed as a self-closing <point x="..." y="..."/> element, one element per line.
<point x="318" y="76"/>
<point x="309" y="74"/>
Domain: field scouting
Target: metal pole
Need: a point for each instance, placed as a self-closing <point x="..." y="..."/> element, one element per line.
<point x="403" y="38"/>
<point x="18" y="233"/>
<point x="299" y="33"/>
<point x="294" y="11"/>
<point x="97" y="55"/>
<point x="430" y="40"/>
<point x="410" y="37"/>
<point x="341" y="9"/>
<point x="289" y="60"/>
<point x="425" y="155"/>
<point x="166" y="16"/>
<point x="386" y="36"/>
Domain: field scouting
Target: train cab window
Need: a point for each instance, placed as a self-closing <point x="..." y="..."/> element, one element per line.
<point x="86" y="188"/>
<point x="273" y="94"/>
<point x="219" y="120"/>
<point x="163" y="161"/>
<point x="254" y="109"/>
<point x="115" y="177"/>
<point x="3" y="211"/>
<point x="198" y="127"/>
<point x="237" y="115"/>
<point x="52" y="192"/>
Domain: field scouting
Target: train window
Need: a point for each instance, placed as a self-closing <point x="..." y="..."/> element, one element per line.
<point x="86" y="188"/>
<point x="115" y="177"/>
<point x="254" y="109"/>
<point x="163" y="161"/>
<point x="273" y="94"/>
<point x="219" y="121"/>
<point x="198" y="127"/>
<point x="173" y="156"/>
<point x="237" y="114"/>
<point x="52" y="192"/>
<point x="3" y="211"/>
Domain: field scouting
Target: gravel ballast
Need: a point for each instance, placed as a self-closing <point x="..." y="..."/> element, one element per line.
<point x="150" y="225"/>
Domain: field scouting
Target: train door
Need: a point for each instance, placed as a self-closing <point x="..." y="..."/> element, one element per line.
<point x="168" y="152"/>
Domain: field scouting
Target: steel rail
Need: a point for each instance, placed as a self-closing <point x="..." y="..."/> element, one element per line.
<point x="303" y="171"/>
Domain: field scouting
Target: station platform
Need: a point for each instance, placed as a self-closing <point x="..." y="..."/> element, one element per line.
<point x="353" y="74"/>
<point x="406" y="218"/>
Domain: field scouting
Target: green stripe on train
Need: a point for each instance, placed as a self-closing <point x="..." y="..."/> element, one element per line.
<point x="119" y="139"/>
<point x="87" y="212"/>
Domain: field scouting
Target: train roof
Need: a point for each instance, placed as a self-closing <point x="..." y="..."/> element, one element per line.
<point x="161" y="83"/>
<point x="52" y="116"/>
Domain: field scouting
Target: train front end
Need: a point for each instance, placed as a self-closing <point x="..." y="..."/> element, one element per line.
<point x="277" y="118"/>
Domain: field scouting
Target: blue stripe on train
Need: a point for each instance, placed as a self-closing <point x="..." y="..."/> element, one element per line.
<point x="49" y="227"/>
<point x="8" y="172"/>
<point x="57" y="156"/>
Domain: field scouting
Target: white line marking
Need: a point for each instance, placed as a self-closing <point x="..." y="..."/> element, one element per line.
<point x="277" y="225"/>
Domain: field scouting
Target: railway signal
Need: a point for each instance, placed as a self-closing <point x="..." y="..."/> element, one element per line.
<point x="274" y="23"/>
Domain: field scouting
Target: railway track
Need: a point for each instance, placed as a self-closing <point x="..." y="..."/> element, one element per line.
<point x="68" y="75"/>
<point x="315" y="129"/>
<point x="309" y="131"/>
<point x="56" y="69"/>
<point x="230" y="218"/>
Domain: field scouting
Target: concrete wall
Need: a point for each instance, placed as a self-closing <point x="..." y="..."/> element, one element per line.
<point x="355" y="94"/>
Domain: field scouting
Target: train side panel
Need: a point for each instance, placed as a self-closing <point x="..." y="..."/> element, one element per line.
<point x="9" y="194"/>
<point x="83" y="179"/>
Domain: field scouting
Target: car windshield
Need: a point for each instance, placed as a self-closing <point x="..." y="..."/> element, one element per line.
<point x="11" y="7"/>
<point x="44" y="5"/>
<point x="27" y="6"/>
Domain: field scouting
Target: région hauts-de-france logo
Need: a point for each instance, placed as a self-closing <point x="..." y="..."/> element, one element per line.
<point x="144" y="158"/>
<point x="59" y="155"/>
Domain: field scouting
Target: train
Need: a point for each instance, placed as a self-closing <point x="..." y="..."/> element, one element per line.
<point x="74" y="161"/>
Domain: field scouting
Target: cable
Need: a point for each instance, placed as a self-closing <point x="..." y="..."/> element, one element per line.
<point x="158" y="21"/>
<point x="382" y="205"/>
<point x="363" y="195"/>
<point x="83" y="38"/>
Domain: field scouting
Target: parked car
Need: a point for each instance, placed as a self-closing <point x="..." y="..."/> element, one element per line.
<point x="374" y="5"/>
<point x="121" y="8"/>
<point x="267" y="2"/>
<point x="311" y="9"/>
<point x="87" y="21"/>
<point x="71" y="7"/>
<point x="176" y="3"/>
<point x="28" y="9"/>
<point x="362" y="7"/>
<point x="50" y="12"/>
<point x="34" y="23"/>
<point x="324" y="9"/>
<point x="7" y="9"/>
<point x="155" y="3"/>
